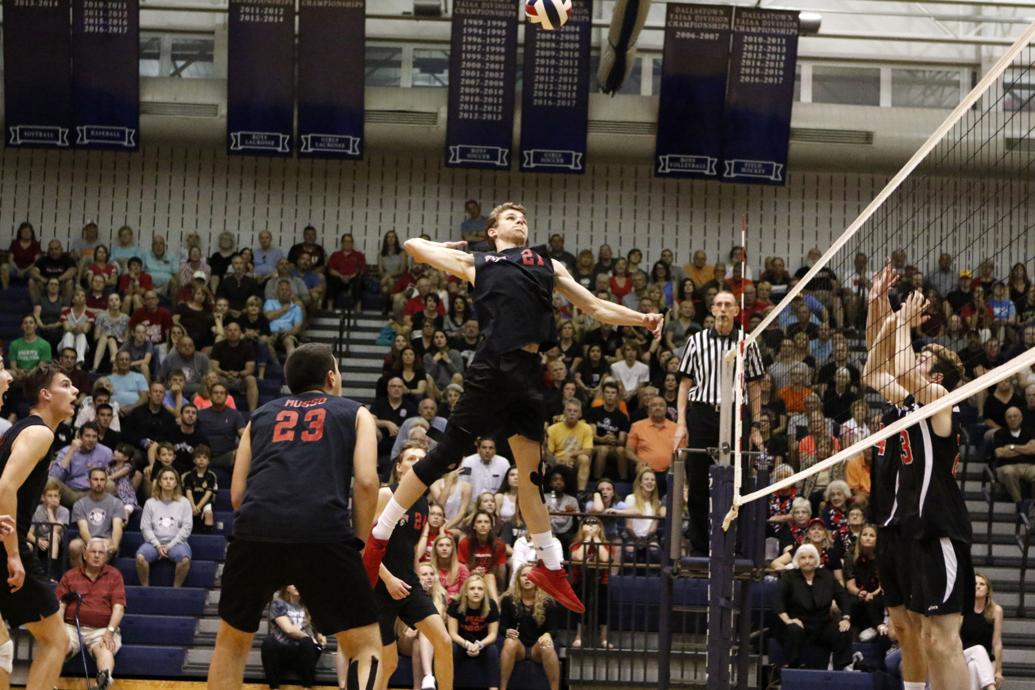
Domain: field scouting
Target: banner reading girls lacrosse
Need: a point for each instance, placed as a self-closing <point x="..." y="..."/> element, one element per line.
<point x="693" y="91"/>
<point x="106" y="73"/>
<point x="261" y="77"/>
<point x="331" y="50"/>
<point x="480" y="122"/>
<point x="37" y="73"/>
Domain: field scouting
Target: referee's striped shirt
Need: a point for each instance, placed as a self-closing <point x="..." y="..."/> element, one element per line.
<point x="702" y="363"/>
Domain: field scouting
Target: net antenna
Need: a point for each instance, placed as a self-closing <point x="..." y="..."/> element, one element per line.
<point x="966" y="193"/>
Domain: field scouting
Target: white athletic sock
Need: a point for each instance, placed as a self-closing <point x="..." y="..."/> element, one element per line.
<point x="914" y="685"/>
<point x="548" y="549"/>
<point x="390" y="517"/>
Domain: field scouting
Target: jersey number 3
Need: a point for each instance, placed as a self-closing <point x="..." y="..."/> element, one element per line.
<point x="530" y="258"/>
<point x="287" y="421"/>
<point x="905" y="448"/>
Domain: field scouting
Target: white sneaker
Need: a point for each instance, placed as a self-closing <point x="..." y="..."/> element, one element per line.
<point x="867" y="635"/>
<point x="428" y="683"/>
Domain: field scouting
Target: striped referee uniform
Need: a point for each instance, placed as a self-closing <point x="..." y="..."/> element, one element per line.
<point x="702" y="364"/>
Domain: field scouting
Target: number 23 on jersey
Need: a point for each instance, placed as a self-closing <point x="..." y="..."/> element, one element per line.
<point x="287" y="425"/>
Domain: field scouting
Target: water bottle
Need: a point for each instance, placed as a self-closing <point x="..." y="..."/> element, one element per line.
<point x="772" y="548"/>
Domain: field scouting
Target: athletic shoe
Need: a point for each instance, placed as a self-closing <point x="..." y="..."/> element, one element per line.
<point x="373" y="554"/>
<point x="428" y="683"/>
<point x="103" y="680"/>
<point x="555" y="583"/>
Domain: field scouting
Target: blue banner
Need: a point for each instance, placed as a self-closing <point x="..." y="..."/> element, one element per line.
<point x="331" y="52"/>
<point x="261" y="78"/>
<point x="106" y="73"/>
<point x="693" y="91"/>
<point x="757" y="126"/>
<point x="555" y="94"/>
<point x="480" y="122"/>
<point x="37" y="73"/>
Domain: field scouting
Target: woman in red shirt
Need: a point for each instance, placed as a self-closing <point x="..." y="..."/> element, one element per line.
<point x="451" y="572"/>
<point x="100" y="264"/>
<point x="591" y="559"/>
<point x="24" y="249"/>
<point x="483" y="553"/>
<point x="621" y="282"/>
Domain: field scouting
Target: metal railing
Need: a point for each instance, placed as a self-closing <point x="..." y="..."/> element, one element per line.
<point x="343" y="341"/>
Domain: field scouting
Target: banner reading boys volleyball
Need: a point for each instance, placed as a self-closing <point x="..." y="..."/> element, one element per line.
<point x="555" y="98"/>
<point x="106" y="73"/>
<point x="331" y="51"/>
<point x="757" y="124"/>
<point x="693" y="90"/>
<point x="261" y="77"/>
<point x="37" y="73"/>
<point x="480" y="122"/>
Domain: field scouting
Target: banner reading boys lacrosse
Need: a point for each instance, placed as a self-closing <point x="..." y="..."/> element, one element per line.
<point x="261" y="77"/>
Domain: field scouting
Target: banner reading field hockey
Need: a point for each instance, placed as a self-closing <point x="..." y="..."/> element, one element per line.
<point x="555" y="96"/>
<point x="693" y="91"/>
<point x="331" y="51"/>
<point x="261" y="78"/>
<point x="757" y="125"/>
<point x="37" y="73"/>
<point x="106" y="73"/>
<point x="480" y="122"/>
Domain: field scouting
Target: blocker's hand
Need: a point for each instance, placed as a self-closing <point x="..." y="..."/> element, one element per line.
<point x="6" y="525"/>
<point x="653" y="322"/>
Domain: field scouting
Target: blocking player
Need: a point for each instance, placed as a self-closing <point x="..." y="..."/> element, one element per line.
<point x="399" y="594"/>
<point x="513" y="296"/>
<point x="295" y="462"/>
<point x="932" y="562"/>
<point x="26" y="596"/>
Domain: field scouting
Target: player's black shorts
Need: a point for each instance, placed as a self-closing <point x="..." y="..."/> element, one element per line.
<point x="35" y="600"/>
<point x="505" y="394"/>
<point x="329" y="577"/>
<point x="943" y="581"/>
<point x="412" y="610"/>
<point x="894" y="568"/>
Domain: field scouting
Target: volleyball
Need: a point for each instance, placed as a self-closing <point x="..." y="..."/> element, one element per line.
<point x="549" y="14"/>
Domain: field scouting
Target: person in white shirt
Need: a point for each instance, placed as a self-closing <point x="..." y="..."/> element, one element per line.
<point x="630" y="370"/>
<point x="484" y="471"/>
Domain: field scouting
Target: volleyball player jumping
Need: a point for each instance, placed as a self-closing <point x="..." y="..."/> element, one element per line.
<point x="924" y="545"/>
<point x="513" y="296"/>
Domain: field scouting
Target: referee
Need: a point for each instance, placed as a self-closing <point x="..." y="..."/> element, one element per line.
<point x="700" y="392"/>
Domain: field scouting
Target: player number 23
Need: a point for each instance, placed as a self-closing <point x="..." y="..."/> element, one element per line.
<point x="287" y="423"/>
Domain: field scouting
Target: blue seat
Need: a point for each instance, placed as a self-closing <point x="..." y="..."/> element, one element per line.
<point x="165" y="601"/>
<point x="634" y="602"/>
<point x="527" y="675"/>
<point x="204" y="547"/>
<point x="800" y="679"/>
<point x="811" y="657"/>
<point x="135" y="661"/>
<point x="202" y="573"/>
<point x="227" y="518"/>
<point x="222" y="501"/>
<point x="173" y="631"/>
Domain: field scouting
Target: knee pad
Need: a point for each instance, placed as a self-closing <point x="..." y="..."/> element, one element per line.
<point x="454" y="443"/>
<point x="7" y="656"/>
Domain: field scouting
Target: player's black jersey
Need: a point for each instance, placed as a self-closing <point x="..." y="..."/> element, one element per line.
<point x="31" y="490"/>
<point x="938" y="508"/>
<point x="399" y="555"/>
<point x="513" y="298"/>
<point x="884" y="473"/>
<point x="300" y="477"/>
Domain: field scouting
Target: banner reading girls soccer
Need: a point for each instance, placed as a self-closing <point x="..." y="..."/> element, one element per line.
<point x="261" y="77"/>
<point x="555" y="98"/>
<point x="331" y="51"/>
<point x="757" y="125"/>
<point x="37" y="73"/>
<point x="106" y="73"/>
<point x="480" y="121"/>
<point x="693" y="90"/>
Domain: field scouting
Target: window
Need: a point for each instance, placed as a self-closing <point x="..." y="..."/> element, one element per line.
<point x="150" y="56"/>
<point x="383" y="65"/>
<point x="430" y="68"/>
<point x="630" y="87"/>
<point x="846" y="85"/>
<point x="192" y="58"/>
<point x="925" y="88"/>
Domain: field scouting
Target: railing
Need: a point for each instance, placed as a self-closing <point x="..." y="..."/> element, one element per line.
<point x="343" y="341"/>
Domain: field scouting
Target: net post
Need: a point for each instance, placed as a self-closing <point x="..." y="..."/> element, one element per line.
<point x="720" y="580"/>
<point x="726" y="410"/>
<point x="677" y="484"/>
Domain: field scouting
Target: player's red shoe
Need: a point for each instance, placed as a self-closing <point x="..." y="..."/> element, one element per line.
<point x="555" y="583"/>
<point x="373" y="554"/>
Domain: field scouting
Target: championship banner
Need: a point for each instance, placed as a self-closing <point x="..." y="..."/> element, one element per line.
<point x="331" y="53"/>
<point x="261" y="78"/>
<point x="757" y="125"/>
<point x="693" y="91"/>
<point x="106" y="73"/>
<point x="37" y="73"/>
<point x="480" y="122"/>
<point x="555" y="96"/>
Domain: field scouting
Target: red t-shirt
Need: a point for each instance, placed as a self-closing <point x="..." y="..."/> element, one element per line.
<point x="24" y="257"/>
<point x="99" y="596"/>
<point x="144" y="279"/>
<point x="415" y="305"/>
<point x="347" y="264"/>
<point x="100" y="269"/>
<point x="157" y="323"/>
<point x="453" y="590"/>
<point x="484" y="556"/>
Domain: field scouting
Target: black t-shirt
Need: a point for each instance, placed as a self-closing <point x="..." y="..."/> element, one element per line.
<point x="613" y="421"/>
<point x="826" y="373"/>
<point x="53" y="268"/>
<point x="260" y="324"/>
<point x="995" y="409"/>
<point x="473" y="626"/>
<point x="383" y="410"/>
<point x="958" y="299"/>
<point x="887" y="460"/>
<point x="518" y="617"/>
<point x="298" y="485"/>
<point x="1003" y="437"/>
<point x="198" y="324"/>
<point x="233" y="358"/>
<point x="197" y="486"/>
<point x="592" y="373"/>
<point x="237" y="291"/>
<point x="185" y="443"/>
<point x="31" y="490"/>
<point x="823" y="280"/>
<point x="609" y="342"/>
<point x="219" y="264"/>
<point x="513" y="298"/>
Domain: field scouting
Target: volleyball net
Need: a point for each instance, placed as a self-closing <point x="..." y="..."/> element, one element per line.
<point x="955" y="227"/>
